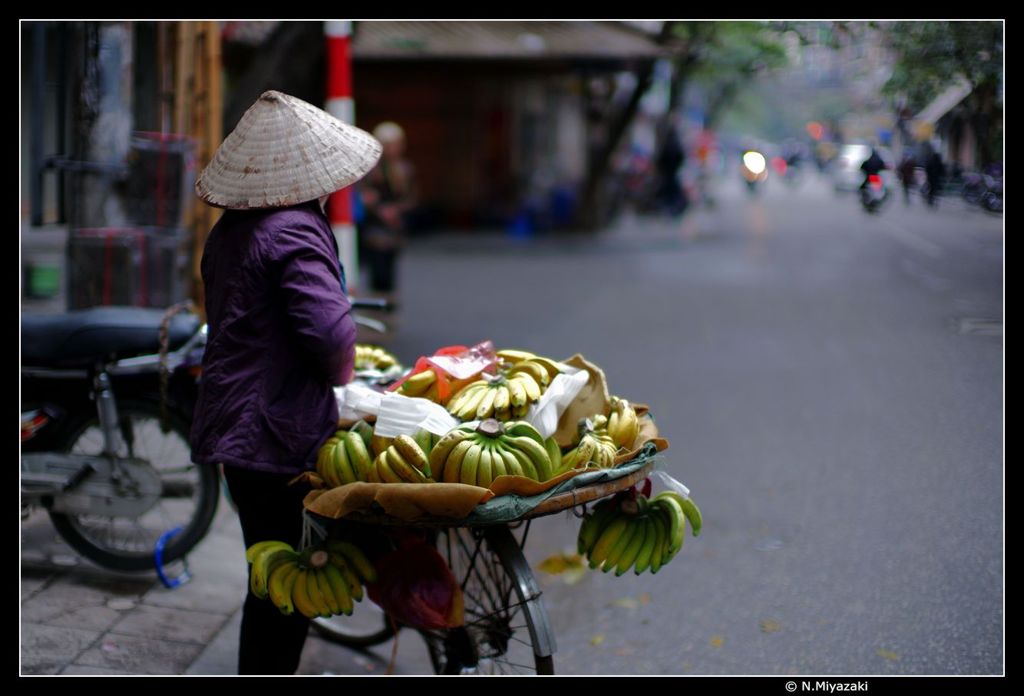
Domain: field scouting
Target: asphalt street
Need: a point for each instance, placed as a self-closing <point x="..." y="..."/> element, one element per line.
<point x="831" y="383"/>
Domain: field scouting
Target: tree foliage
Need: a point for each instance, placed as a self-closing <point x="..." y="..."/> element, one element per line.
<point x="933" y="55"/>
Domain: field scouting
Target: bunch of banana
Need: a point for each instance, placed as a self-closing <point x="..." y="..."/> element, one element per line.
<point x="478" y="455"/>
<point x="374" y="358"/>
<point x="318" y="582"/>
<point x="623" y="424"/>
<point x="642" y="534"/>
<point x="344" y="458"/>
<point x="595" y="447"/>
<point x="403" y="461"/>
<point x="422" y="384"/>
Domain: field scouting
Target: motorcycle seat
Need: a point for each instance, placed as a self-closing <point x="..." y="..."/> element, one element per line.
<point x="80" y="338"/>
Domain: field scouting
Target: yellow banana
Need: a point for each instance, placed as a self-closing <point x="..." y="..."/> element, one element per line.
<point x="533" y="390"/>
<point x="535" y="370"/>
<point x="452" y="466"/>
<point x="252" y="551"/>
<point x="547" y="364"/>
<point x="282" y="581"/>
<point x="412" y="453"/>
<point x="300" y="595"/>
<point x="514" y="356"/>
<point x="484" y="475"/>
<point x="327" y="590"/>
<point x="338" y="588"/>
<point x="355" y="585"/>
<point x="517" y="393"/>
<point x="378" y="444"/>
<point x="503" y="399"/>
<point x="444" y="447"/>
<point x="472" y="404"/>
<point x="262" y="566"/>
<point x="459" y="399"/>
<point x="467" y="472"/>
<point x="384" y="472"/>
<point x="313" y="590"/>
<point x="511" y="465"/>
<point x="486" y="407"/>
<point x="399" y="465"/>
<point x="358" y="455"/>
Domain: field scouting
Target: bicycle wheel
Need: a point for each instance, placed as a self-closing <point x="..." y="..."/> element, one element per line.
<point x="506" y="629"/>
<point x="367" y="626"/>
<point x="189" y="498"/>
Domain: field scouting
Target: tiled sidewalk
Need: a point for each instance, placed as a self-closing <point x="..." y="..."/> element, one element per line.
<point x="79" y="619"/>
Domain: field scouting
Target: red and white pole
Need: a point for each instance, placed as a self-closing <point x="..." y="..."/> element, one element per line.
<point x="341" y="105"/>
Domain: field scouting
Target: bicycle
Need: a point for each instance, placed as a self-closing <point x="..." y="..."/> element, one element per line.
<point x="498" y="585"/>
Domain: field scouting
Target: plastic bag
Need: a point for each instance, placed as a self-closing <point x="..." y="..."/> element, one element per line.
<point x="455" y="367"/>
<point x="416" y="588"/>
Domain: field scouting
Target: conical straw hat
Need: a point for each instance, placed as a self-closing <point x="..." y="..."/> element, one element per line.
<point x="285" y="151"/>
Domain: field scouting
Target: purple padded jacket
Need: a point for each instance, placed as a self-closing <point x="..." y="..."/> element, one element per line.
<point x="281" y="335"/>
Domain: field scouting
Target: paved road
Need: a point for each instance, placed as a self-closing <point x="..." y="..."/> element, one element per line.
<point x="831" y="384"/>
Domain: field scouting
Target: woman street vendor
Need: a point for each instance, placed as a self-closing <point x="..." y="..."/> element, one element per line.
<point x="281" y="334"/>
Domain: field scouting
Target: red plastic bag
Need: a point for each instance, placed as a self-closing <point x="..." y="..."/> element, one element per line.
<point x="416" y="587"/>
<point x="455" y="367"/>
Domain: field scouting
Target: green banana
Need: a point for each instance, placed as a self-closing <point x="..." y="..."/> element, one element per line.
<point x="536" y="452"/>
<point x="661" y="544"/>
<point x="346" y="472"/>
<point x="484" y="475"/>
<point x="523" y="429"/>
<point x="690" y="510"/>
<point x="525" y="463"/>
<point x="593" y="525"/>
<point x="356" y="558"/>
<point x="624" y="542"/>
<point x="607" y="540"/>
<point x="444" y="447"/>
<point x="678" y="518"/>
<point x="554" y="455"/>
<point x="643" y="559"/>
<point x="633" y="550"/>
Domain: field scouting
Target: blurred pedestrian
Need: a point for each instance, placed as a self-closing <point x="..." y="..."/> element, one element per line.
<point x="280" y="331"/>
<point x="671" y="157"/>
<point x="388" y="197"/>
<point x="906" y="171"/>
<point x="935" y="171"/>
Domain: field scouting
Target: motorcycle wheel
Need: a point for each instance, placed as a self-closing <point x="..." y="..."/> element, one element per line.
<point x="189" y="498"/>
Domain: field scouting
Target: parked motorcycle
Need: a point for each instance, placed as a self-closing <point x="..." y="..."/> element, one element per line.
<point x="984" y="190"/>
<point x="105" y="420"/>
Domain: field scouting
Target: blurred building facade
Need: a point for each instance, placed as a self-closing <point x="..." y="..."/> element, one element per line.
<point x="116" y="119"/>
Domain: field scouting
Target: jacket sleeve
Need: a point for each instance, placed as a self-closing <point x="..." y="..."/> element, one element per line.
<point x="319" y="313"/>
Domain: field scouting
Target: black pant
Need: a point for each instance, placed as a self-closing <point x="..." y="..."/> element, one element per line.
<point x="269" y="509"/>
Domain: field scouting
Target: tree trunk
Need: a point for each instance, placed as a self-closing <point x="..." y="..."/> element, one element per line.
<point x="592" y="209"/>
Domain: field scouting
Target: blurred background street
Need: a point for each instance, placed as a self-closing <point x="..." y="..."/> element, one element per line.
<point x="829" y="376"/>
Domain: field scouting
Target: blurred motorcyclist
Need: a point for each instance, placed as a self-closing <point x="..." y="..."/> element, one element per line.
<point x="872" y="166"/>
<point x="906" y="171"/>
